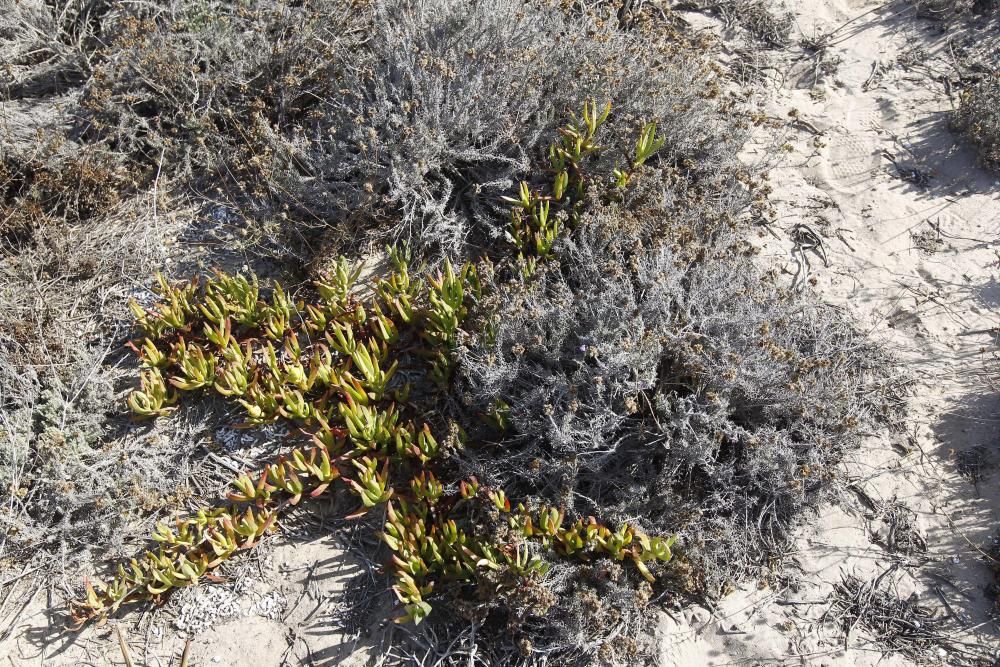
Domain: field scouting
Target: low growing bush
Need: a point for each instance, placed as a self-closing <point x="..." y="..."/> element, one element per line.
<point x="393" y="120"/>
<point x="605" y="404"/>
<point x="623" y="373"/>
<point x="649" y="372"/>
<point x="948" y="9"/>
<point x="763" y="20"/>
<point x="70" y="473"/>
<point x="452" y="101"/>
<point x="200" y="91"/>
<point x="978" y="118"/>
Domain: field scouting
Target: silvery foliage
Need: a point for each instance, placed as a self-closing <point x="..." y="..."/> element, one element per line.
<point x="946" y="9"/>
<point x="677" y="387"/>
<point x="78" y="477"/>
<point x="451" y="102"/>
<point x="768" y="22"/>
<point x="978" y="118"/>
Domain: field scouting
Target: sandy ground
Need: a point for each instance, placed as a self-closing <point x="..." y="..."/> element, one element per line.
<point x="905" y="232"/>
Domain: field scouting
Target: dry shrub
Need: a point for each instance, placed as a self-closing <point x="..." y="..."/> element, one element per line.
<point x="73" y="246"/>
<point x="319" y="112"/>
<point x="48" y="187"/>
<point x="992" y="558"/>
<point x="77" y="476"/>
<point x="949" y="9"/>
<point x="978" y="119"/>
<point x="403" y="120"/>
<point x="652" y="374"/>
<point x="449" y="103"/>
<point x="46" y="46"/>
<point x="196" y="90"/>
<point x="763" y="20"/>
<point x="202" y="94"/>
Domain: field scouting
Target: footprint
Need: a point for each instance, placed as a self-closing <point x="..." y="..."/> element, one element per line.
<point x="854" y="156"/>
<point x="852" y="162"/>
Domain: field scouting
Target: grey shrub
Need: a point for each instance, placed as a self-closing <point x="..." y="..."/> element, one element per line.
<point x="698" y="398"/>
<point x="451" y="102"/>
<point x="978" y="119"/>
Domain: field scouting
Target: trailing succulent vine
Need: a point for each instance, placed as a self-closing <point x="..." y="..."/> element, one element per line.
<point x="330" y="365"/>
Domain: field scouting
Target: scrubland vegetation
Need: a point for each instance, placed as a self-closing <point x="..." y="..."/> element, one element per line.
<point x="976" y="118"/>
<point x="947" y="9"/>
<point x="486" y="265"/>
